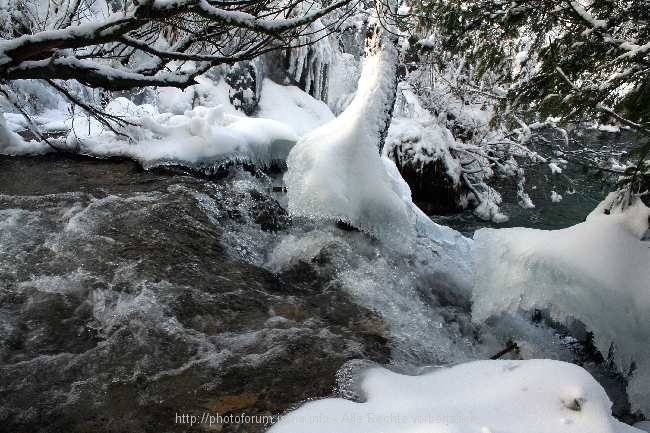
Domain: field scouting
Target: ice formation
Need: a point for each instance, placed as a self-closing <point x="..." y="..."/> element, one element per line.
<point x="540" y="396"/>
<point x="335" y="172"/>
<point x="309" y="61"/>
<point x="595" y="272"/>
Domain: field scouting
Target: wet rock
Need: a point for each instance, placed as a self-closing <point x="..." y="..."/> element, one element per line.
<point x="268" y="213"/>
<point x="229" y="403"/>
<point x="431" y="187"/>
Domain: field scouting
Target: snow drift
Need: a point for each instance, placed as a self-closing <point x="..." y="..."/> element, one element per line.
<point x="538" y="396"/>
<point x="597" y="272"/>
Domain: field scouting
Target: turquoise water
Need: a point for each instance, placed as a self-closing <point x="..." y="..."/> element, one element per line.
<point x="581" y="185"/>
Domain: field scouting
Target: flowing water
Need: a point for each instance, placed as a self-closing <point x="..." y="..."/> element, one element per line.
<point x="122" y="306"/>
<point x="130" y="298"/>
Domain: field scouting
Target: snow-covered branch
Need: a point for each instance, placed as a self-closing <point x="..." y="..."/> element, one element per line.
<point x="129" y="49"/>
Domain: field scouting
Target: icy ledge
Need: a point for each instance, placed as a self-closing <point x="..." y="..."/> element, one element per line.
<point x="597" y="272"/>
<point x="539" y="396"/>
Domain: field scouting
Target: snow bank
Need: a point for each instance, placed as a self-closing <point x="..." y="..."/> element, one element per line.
<point x="596" y="272"/>
<point x="197" y="126"/>
<point x="538" y="396"/>
<point x="293" y="107"/>
<point x="199" y="136"/>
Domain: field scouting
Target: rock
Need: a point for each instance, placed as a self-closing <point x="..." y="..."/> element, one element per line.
<point x="230" y="403"/>
<point x="431" y="187"/>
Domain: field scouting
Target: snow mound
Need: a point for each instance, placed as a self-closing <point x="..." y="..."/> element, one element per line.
<point x="596" y="272"/>
<point x="540" y="396"/>
<point x="293" y="107"/>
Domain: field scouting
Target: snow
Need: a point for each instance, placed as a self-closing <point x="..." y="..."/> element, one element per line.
<point x="415" y="135"/>
<point x="422" y="143"/>
<point x="12" y="143"/>
<point x="293" y="107"/>
<point x="608" y="128"/>
<point x="555" y="168"/>
<point x="593" y="22"/>
<point x="633" y="49"/>
<point x="555" y="197"/>
<point x="595" y="272"/>
<point x="173" y="100"/>
<point x="248" y="21"/>
<point x="196" y="126"/>
<point x="540" y="396"/>
<point x="199" y="136"/>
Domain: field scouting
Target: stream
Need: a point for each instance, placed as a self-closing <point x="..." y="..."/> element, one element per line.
<point x="130" y="297"/>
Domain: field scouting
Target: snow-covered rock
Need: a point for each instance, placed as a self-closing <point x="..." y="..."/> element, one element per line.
<point x="596" y="272"/>
<point x="422" y="152"/>
<point x="539" y="396"/>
